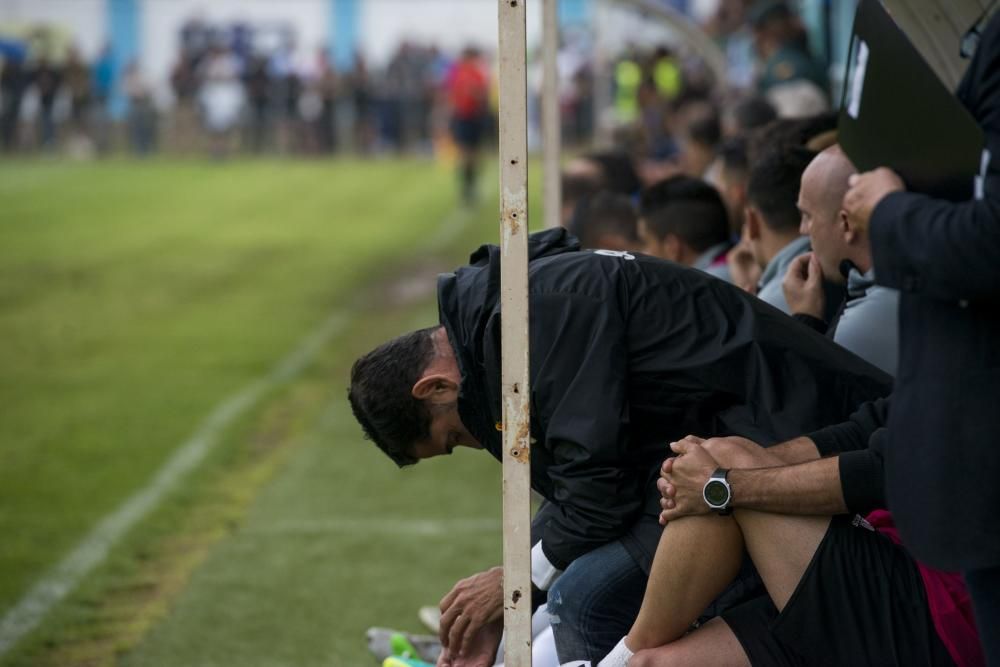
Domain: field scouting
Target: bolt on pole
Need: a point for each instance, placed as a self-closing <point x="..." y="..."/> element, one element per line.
<point x="515" y="391"/>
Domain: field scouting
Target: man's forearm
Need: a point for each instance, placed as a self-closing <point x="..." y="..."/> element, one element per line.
<point x="794" y="451"/>
<point x="811" y="488"/>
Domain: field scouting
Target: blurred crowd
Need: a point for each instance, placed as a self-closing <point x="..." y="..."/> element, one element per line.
<point x="251" y="89"/>
<point x="228" y="91"/>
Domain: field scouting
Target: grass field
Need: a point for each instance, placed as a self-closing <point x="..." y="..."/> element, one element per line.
<point x="134" y="299"/>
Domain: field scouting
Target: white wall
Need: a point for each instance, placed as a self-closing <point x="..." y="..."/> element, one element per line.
<point x="84" y="19"/>
<point x="162" y="21"/>
<point x="450" y="24"/>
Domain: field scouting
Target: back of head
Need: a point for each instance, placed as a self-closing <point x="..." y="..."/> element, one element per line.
<point x="786" y="133"/>
<point x="687" y="207"/>
<point x="618" y="172"/>
<point x="766" y="12"/>
<point x="749" y="114"/>
<point x="773" y="187"/>
<point x="605" y="216"/>
<point x="381" y="398"/>
<point x="733" y="158"/>
<point x="704" y="127"/>
<point x="825" y="182"/>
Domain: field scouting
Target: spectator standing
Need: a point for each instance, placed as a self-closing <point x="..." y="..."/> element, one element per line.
<point x="47" y="80"/>
<point x="257" y="85"/>
<point x="141" y="112"/>
<point x="782" y="44"/>
<point x="221" y="98"/>
<point x="78" y="82"/>
<point x="102" y="83"/>
<point x="467" y="88"/>
<point x="328" y="89"/>
<point x="944" y="257"/>
<point x="360" y="86"/>
<point x="184" y="83"/>
<point x="13" y="83"/>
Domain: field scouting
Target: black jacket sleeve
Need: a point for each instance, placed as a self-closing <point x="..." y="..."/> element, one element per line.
<point x="814" y="323"/>
<point x="580" y="392"/>
<point x="860" y="444"/>
<point x="862" y="475"/>
<point x="855" y="433"/>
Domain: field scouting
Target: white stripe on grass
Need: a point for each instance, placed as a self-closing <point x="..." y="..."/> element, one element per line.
<point x="378" y="526"/>
<point x="24" y="616"/>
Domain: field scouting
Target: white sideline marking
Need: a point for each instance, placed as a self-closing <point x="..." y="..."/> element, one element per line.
<point x="24" y="616"/>
<point x="379" y="526"/>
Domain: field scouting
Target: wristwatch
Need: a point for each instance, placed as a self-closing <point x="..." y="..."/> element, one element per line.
<point x="717" y="492"/>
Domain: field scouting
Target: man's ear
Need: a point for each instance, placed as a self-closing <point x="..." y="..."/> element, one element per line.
<point x="850" y="232"/>
<point x="430" y="386"/>
<point x="672" y="247"/>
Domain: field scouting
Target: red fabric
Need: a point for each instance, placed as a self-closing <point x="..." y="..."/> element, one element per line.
<point x="468" y="89"/>
<point x="949" y="602"/>
<point x="722" y="259"/>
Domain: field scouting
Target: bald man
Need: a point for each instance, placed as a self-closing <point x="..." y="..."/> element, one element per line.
<point x="868" y="322"/>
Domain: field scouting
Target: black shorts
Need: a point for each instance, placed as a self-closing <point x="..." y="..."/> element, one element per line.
<point x="861" y="602"/>
<point x="468" y="132"/>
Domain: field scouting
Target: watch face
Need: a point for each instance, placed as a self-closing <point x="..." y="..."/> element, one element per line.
<point x="716" y="493"/>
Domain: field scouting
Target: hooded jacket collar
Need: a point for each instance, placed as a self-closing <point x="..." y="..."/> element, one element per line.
<point x="469" y="308"/>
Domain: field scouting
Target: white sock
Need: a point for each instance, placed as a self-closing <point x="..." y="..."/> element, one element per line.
<point x="618" y="657"/>
<point x="576" y="663"/>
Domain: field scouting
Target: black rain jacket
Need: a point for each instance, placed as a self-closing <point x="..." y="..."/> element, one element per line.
<point x="628" y="353"/>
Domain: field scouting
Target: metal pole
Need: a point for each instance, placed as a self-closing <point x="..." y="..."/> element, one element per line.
<point x="515" y="390"/>
<point x="551" y="140"/>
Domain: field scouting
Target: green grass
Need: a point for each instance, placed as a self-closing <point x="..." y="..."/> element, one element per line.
<point x="135" y="297"/>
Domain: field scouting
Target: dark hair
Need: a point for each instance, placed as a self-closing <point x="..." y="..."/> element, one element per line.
<point x="576" y="188"/>
<point x="786" y="133"/>
<point x="733" y="154"/>
<point x="688" y="208"/>
<point x="381" y="398"/>
<point x="604" y="213"/>
<point x="773" y="186"/>
<point x="753" y="112"/>
<point x="705" y="128"/>
<point x="764" y="11"/>
<point x="618" y="172"/>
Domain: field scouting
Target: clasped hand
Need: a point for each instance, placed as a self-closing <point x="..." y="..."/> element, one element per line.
<point x="682" y="479"/>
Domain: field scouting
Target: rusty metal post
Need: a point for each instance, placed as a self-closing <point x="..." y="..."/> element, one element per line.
<point x="515" y="390"/>
<point x="551" y="131"/>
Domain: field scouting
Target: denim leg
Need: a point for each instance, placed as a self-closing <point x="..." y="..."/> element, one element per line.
<point x="984" y="588"/>
<point x="593" y="604"/>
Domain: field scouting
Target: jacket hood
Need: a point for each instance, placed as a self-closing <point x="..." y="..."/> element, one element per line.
<point x="468" y="304"/>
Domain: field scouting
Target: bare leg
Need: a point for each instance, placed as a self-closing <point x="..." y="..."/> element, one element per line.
<point x="781" y="547"/>
<point x="698" y="556"/>
<point x="712" y="644"/>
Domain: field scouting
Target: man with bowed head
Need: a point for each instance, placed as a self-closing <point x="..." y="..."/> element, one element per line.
<point x="628" y="352"/>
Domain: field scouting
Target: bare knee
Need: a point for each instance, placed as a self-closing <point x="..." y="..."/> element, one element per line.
<point x="737" y="453"/>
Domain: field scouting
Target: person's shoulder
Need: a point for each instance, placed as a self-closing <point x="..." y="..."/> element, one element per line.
<point x="787" y="64"/>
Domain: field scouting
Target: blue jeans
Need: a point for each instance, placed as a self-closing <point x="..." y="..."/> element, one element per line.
<point x="594" y="603"/>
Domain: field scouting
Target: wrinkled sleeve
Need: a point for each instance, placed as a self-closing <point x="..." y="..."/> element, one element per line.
<point x="579" y="366"/>
<point x="936" y="248"/>
<point x="862" y="475"/>
<point x="854" y="434"/>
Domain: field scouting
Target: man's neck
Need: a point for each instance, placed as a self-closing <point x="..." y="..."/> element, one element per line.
<point x="863" y="260"/>
<point x="772" y="243"/>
